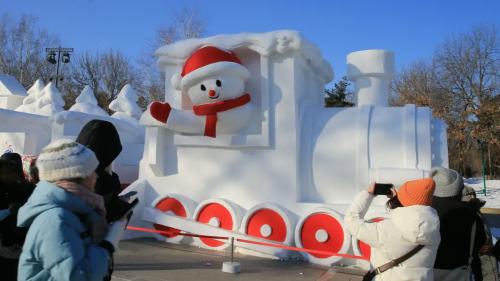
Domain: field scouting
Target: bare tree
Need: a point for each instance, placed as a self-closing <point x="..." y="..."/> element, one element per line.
<point x="22" y="55"/>
<point x="85" y="71"/>
<point x="106" y="74"/>
<point x="22" y="50"/>
<point x="117" y="71"/>
<point x="468" y="66"/>
<point x="460" y="84"/>
<point x="186" y="24"/>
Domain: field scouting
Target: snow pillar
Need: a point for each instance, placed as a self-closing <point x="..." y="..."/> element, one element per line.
<point x="371" y="71"/>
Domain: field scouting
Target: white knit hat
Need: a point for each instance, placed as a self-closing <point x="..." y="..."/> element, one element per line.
<point x="65" y="159"/>
<point x="449" y="182"/>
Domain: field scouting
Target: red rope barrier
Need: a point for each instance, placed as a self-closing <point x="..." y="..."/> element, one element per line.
<point x="268" y="244"/>
<point x="174" y="233"/>
<point x="311" y="251"/>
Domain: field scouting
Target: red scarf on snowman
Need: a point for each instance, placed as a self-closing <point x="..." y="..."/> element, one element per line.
<point x="211" y="109"/>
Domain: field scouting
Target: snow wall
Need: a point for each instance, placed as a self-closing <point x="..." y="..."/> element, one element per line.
<point x="23" y="133"/>
<point x="27" y="134"/>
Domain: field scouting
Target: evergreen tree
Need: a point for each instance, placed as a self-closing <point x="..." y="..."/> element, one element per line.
<point x="340" y="95"/>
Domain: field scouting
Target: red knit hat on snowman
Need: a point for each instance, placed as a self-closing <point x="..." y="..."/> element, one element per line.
<point x="208" y="61"/>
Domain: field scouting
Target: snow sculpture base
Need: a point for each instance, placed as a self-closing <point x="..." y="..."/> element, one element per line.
<point x="231" y="267"/>
<point x="23" y="133"/>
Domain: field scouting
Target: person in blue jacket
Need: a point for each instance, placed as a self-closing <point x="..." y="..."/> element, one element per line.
<point x="68" y="236"/>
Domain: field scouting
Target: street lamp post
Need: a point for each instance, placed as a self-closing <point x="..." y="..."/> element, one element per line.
<point x="483" y="165"/>
<point x="51" y="57"/>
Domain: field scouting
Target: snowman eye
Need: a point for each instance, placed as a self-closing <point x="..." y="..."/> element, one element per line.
<point x="218" y="83"/>
<point x="203" y="88"/>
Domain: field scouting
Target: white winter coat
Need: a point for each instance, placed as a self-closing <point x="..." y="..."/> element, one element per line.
<point x="403" y="230"/>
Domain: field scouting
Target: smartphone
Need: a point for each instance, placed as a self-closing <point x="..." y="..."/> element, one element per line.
<point x="383" y="189"/>
<point x="127" y="195"/>
<point x="129" y="208"/>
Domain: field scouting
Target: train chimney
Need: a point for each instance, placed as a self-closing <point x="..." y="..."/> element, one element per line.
<point x="371" y="71"/>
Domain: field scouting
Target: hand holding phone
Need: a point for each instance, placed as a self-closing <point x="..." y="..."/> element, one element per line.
<point x="125" y="211"/>
<point x="383" y="189"/>
<point x="126" y="197"/>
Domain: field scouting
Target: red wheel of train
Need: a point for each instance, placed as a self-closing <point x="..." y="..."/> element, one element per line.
<point x="217" y="215"/>
<point x="322" y="230"/>
<point x="268" y="224"/>
<point x="170" y="204"/>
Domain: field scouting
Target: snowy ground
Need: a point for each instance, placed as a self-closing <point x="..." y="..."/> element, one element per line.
<point x="492" y="196"/>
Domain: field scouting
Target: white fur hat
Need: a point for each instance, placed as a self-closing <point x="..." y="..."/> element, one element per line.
<point x="65" y="159"/>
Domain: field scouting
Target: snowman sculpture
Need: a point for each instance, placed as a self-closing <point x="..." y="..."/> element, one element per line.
<point x="214" y="80"/>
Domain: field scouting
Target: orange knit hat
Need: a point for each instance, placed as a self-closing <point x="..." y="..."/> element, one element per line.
<point x="416" y="192"/>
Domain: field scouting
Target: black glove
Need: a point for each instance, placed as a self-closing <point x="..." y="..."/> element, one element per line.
<point x="496" y="250"/>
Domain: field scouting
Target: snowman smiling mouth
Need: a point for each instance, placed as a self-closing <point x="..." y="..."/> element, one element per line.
<point x="213" y="95"/>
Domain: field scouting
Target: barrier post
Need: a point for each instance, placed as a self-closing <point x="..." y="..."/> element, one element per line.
<point x="232" y="266"/>
<point x="232" y="249"/>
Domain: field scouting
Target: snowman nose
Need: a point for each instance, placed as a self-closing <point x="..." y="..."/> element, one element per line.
<point x="211" y="93"/>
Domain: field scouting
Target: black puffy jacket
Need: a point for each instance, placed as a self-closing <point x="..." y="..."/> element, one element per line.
<point x="456" y="219"/>
<point x="108" y="186"/>
<point x="102" y="138"/>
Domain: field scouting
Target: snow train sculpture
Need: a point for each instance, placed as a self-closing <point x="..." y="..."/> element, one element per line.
<point x="243" y="146"/>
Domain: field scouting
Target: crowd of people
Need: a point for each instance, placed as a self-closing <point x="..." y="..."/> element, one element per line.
<point x="68" y="200"/>
<point x="63" y="219"/>
<point x="434" y="231"/>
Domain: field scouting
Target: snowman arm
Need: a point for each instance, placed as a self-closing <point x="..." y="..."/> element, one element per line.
<point x="184" y="121"/>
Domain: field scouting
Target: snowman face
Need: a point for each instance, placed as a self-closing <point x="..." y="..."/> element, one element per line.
<point x="215" y="89"/>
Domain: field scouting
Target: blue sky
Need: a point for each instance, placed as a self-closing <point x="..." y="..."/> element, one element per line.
<point x="412" y="29"/>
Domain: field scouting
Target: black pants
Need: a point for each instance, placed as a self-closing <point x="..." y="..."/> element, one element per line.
<point x="476" y="268"/>
<point x="9" y="271"/>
